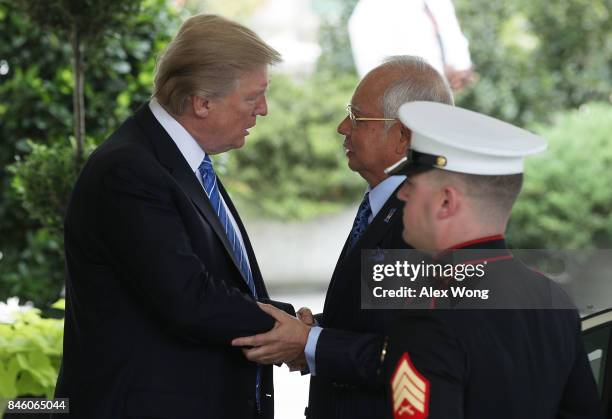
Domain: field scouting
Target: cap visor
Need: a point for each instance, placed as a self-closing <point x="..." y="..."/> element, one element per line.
<point x="406" y="168"/>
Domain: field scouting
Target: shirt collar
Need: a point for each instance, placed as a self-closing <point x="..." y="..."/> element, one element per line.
<point x="382" y="192"/>
<point x="187" y="145"/>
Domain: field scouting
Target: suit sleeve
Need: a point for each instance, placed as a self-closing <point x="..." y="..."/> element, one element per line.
<point x="349" y="358"/>
<point x="146" y="237"/>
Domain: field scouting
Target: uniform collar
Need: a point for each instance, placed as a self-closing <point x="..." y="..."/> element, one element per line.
<point x="485" y="249"/>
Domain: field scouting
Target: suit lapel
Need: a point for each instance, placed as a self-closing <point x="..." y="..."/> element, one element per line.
<point x="170" y="157"/>
<point x="388" y="217"/>
<point x="259" y="283"/>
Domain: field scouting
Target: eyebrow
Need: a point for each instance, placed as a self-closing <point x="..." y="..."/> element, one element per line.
<point x="257" y="92"/>
<point x="263" y="89"/>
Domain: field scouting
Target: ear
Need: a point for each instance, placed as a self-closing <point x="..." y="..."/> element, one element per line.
<point x="402" y="193"/>
<point x="201" y="106"/>
<point x="449" y="203"/>
<point x="404" y="141"/>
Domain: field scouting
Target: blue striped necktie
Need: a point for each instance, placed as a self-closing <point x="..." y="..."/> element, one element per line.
<point x="209" y="179"/>
<point x="361" y="222"/>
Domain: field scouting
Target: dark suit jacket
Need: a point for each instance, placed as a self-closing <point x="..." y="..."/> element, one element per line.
<point x="346" y="384"/>
<point x="154" y="295"/>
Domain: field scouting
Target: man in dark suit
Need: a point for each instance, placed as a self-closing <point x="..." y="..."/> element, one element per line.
<point x="340" y="387"/>
<point x="161" y="273"/>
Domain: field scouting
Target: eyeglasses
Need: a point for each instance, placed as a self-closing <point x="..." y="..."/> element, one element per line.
<point x="354" y="119"/>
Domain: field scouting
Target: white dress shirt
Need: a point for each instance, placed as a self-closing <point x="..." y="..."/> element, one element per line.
<point x="193" y="154"/>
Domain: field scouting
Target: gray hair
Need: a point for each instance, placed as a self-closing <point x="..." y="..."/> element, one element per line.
<point x="418" y="81"/>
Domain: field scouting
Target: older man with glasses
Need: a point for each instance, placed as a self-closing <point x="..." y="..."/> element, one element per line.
<point x="342" y="385"/>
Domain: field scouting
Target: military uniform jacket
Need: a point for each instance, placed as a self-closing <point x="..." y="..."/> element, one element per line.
<point x="486" y="363"/>
<point x="344" y="385"/>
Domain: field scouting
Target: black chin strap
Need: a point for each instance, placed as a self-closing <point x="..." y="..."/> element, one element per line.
<point x="416" y="158"/>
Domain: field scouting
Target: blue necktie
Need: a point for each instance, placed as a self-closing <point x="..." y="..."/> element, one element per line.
<point x="361" y="222"/>
<point x="209" y="179"/>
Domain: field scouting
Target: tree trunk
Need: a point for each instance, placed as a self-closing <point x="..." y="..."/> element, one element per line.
<point x="78" y="94"/>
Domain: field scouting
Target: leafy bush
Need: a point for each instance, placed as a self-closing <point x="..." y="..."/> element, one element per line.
<point x="44" y="180"/>
<point x="336" y="55"/>
<point x="535" y="58"/>
<point x="293" y="165"/>
<point x="30" y="354"/>
<point x="36" y="104"/>
<point x="36" y="272"/>
<point x="566" y="201"/>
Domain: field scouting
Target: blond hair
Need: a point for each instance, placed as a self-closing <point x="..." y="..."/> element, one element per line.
<point x="494" y="195"/>
<point x="206" y="58"/>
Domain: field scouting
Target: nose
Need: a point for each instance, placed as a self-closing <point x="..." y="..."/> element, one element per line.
<point x="262" y="107"/>
<point x="344" y="127"/>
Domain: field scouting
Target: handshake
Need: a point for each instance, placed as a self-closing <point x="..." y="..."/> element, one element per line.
<point x="284" y="343"/>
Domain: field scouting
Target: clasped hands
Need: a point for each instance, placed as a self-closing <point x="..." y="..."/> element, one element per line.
<point x="285" y="342"/>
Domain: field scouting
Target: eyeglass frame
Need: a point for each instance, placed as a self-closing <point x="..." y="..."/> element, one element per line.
<point x="354" y="119"/>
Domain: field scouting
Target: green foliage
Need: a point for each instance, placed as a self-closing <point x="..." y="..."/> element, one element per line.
<point x="336" y="56"/>
<point x="44" y="180"/>
<point x="91" y="18"/>
<point x="566" y="201"/>
<point x="534" y="58"/>
<point x="30" y="355"/>
<point x="293" y="165"/>
<point x="238" y="10"/>
<point x="36" y="104"/>
<point x="34" y="272"/>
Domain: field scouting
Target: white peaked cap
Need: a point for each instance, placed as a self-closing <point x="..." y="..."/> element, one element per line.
<point x="459" y="140"/>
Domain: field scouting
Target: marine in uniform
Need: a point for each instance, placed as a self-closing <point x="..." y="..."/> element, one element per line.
<point x="517" y="354"/>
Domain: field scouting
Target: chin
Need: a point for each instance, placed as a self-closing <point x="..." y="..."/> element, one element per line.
<point x="240" y="142"/>
<point x="351" y="165"/>
<point x="405" y="237"/>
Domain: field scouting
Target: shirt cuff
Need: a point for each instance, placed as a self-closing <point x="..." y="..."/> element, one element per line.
<point x="311" y="347"/>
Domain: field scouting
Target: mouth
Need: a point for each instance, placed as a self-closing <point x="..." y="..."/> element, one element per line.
<point x="247" y="130"/>
<point x="346" y="149"/>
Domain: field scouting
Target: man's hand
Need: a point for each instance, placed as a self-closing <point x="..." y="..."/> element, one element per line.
<point x="285" y="342"/>
<point x="305" y="315"/>
<point x="298" y="364"/>
<point x="459" y="79"/>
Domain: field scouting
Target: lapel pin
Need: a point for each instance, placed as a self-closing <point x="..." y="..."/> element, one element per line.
<point x="390" y="214"/>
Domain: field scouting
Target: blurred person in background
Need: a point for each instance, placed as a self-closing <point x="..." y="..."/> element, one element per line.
<point x="425" y="28"/>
